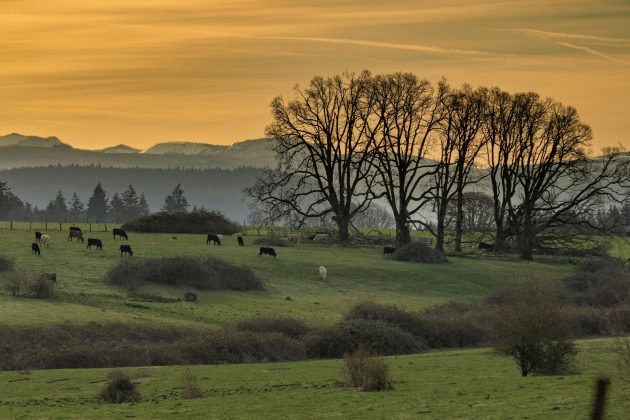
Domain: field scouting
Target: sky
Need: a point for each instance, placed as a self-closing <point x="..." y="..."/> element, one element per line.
<point x="99" y="73"/>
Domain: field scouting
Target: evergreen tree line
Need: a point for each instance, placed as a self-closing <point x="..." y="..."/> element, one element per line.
<point x="121" y="207"/>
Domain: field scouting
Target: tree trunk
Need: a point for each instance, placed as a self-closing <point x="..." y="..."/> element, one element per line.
<point x="459" y="219"/>
<point x="526" y="239"/>
<point x="343" y="227"/>
<point x="403" y="236"/>
<point x="441" y="229"/>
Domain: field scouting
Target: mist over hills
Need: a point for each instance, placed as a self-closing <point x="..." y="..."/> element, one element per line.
<point x="17" y="150"/>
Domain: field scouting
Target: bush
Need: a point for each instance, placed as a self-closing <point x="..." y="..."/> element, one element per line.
<point x="370" y="373"/>
<point x="190" y="386"/>
<point x="42" y="288"/>
<point x="208" y="273"/>
<point x="6" y="264"/>
<point x="600" y="282"/>
<point x="190" y="297"/>
<point x="290" y="327"/>
<point x="200" y="221"/>
<point x="119" y="389"/>
<point x="419" y="252"/>
<point x="16" y="283"/>
<point x="390" y="314"/>
<point x="348" y="335"/>
<point x="273" y="241"/>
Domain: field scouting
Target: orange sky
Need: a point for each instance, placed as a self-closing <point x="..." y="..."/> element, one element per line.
<point x="98" y="73"/>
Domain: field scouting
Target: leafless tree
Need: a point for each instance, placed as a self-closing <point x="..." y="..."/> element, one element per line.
<point x="476" y="212"/>
<point x="324" y="151"/>
<point x="408" y="110"/>
<point x="374" y="216"/>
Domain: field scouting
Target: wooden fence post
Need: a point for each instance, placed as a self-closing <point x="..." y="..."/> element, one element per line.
<point x="600" y="398"/>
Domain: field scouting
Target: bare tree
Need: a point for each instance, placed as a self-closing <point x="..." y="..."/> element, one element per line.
<point x="408" y="110"/>
<point x="476" y="212"/>
<point x="324" y="152"/>
<point x="374" y="216"/>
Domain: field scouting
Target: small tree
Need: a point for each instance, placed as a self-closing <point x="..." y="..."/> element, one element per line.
<point x="175" y="202"/>
<point x="131" y="203"/>
<point x="77" y="209"/>
<point x="531" y="330"/>
<point x="143" y="206"/>
<point x="56" y="208"/>
<point x="97" y="208"/>
<point x="117" y="209"/>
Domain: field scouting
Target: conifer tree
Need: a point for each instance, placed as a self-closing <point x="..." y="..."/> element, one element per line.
<point x="97" y="208"/>
<point x="175" y="202"/>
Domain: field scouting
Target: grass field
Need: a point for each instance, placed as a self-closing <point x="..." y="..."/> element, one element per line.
<point x="354" y="273"/>
<point x="442" y="384"/>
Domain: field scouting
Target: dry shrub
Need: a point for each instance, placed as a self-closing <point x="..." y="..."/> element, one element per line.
<point x="208" y="273"/>
<point x="419" y="252"/>
<point x="190" y="386"/>
<point x="119" y="389"/>
<point x="16" y="283"/>
<point x="6" y="264"/>
<point x="199" y="221"/>
<point x="190" y="297"/>
<point x="600" y="282"/>
<point x="273" y="241"/>
<point x="368" y="372"/>
<point x="290" y="327"/>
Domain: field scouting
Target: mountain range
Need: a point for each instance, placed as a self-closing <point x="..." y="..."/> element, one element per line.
<point x="17" y="150"/>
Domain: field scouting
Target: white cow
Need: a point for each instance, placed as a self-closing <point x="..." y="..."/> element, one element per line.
<point x="323" y="273"/>
<point x="45" y="240"/>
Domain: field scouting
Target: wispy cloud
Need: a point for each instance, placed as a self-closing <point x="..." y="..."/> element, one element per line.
<point x="599" y="40"/>
<point x="388" y="45"/>
<point x="591" y="51"/>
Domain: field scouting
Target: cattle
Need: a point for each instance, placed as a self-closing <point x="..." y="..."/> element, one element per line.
<point x="321" y="237"/>
<point x="214" y="239"/>
<point x="220" y="237"/>
<point x="126" y="249"/>
<point x="94" y="242"/>
<point x="38" y="237"/>
<point x="293" y="237"/>
<point x="240" y="241"/>
<point x="75" y="228"/>
<point x="35" y="248"/>
<point x="323" y="273"/>
<point x="485" y="246"/>
<point x="75" y="234"/>
<point x="264" y="250"/>
<point x="45" y="241"/>
<point x="388" y="250"/>
<point x="237" y="234"/>
<point x="121" y="234"/>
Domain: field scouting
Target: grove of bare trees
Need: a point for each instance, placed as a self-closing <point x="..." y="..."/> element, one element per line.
<point x="348" y="140"/>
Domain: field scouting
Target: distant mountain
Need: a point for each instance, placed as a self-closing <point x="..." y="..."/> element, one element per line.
<point x="120" y="148"/>
<point x="184" y="148"/>
<point x="15" y="139"/>
<point x="27" y="151"/>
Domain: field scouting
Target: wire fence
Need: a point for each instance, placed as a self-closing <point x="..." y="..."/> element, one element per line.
<point x="47" y="225"/>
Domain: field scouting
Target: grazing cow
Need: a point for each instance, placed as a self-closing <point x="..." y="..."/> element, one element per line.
<point x="126" y="249"/>
<point x="75" y="234"/>
<point x="264" y="250"/>
<point x="485" y="246"/>
<point x="293" y="237"/>
<point x="75" y="228"/>
<point x="237" y="234"/>
<point x="388" y="250"/>
<point x="239" y="239"/>
<point x="323" y="273"/>
<point x="45" y="241"/>
<point x="121" y="234"/>
<point x="95" y="242"/>
<point x="35" y="248"/>
<point x="321" y="237"/>
<point x="214" y="239"/>
<point x="38" y="237"/>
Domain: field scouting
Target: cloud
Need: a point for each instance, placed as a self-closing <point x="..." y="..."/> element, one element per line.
<point x="387" y="45"/>
<point x="599" y="40"/>
<point x="591" y="51"/>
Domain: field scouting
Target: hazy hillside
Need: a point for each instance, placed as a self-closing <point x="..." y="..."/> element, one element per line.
<point x="23" y="151"/>
<point x="212" y="188"/>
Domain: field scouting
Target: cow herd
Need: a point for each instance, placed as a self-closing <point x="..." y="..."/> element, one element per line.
<point x="75" y="232"/>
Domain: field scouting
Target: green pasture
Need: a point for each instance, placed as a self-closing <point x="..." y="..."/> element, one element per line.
<point x="292" y="283"/>
<point x="454" y="384"/>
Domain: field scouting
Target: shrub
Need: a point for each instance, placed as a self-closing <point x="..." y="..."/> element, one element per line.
<point x="348" y="335"/>
<point x="208" y="273"/>
<point x="119" y="389"/>
<point x="200" y="221"/>
<point x="6" y="264"/>
<point x="42" y="288"/>
<point x="600" y="282"/>
<point x="455" y="324"/>
<point x="273" y="241"/>
<point x="290" y="327"/>
<point x="419" y="252"/>
<point x="370" y="373"/>
<point x="15" y="282"/>
<point x="190" y="297"/>
<point x="190" y="386"/>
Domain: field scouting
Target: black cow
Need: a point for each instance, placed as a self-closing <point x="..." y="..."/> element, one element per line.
<point x="239" y="239"/>
<point x="388" y="250"/>
<point x="485" y="246"/>
<point x="214" y="239"/>
<point x="126" y="249"/>
<point x="35" y="248"/>
<point x="75" y="229"/>
<point x="95" y="242"/>
<point x="121" y="234"/>
<point x="264" y="250"/>
<point x="38" y="237"/>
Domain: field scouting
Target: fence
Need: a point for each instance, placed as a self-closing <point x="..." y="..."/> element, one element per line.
<point x="46" y="225"/>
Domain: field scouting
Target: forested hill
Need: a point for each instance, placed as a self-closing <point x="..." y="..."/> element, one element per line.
<point x="219" y="189"/>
